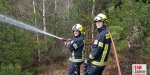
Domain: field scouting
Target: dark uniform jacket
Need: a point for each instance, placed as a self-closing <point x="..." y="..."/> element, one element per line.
<point x="101" y="47"/>
<point x="76" y="49"/>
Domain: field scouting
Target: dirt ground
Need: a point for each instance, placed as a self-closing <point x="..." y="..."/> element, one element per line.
<point x="61" y="68"/>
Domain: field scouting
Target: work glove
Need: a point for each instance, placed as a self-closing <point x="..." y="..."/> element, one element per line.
<point x="85" y="68"/>
<point x="88" y="60"/>
<point x="86" y="64"/>
<point x="69" y="40"/>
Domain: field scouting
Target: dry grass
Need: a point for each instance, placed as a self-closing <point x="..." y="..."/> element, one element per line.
<point x="59" y="68"/>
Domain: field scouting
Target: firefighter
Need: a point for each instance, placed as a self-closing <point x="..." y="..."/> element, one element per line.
<point x="76" y="50"/>
<point x="97" y="59"/>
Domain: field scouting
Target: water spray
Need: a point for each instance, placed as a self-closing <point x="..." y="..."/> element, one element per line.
<point x="11" y="21"/>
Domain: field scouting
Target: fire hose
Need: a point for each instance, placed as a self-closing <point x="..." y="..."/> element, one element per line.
<point x="116" y="56"/>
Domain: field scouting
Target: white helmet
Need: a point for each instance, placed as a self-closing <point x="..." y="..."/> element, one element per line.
<point x="100" y="17"/>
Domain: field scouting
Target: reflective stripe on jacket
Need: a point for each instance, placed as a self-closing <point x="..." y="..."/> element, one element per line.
<point x="76" y="49"/>
<point x="101" y="48"/>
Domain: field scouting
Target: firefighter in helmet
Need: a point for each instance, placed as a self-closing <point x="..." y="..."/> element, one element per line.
<point x="76" y="50"/>
<point x="97" y="59"/>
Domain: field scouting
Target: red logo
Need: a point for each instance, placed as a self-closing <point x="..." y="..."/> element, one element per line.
<point x="139" y="69"/>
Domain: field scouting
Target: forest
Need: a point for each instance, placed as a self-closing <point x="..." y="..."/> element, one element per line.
<point x="25" y="52"/>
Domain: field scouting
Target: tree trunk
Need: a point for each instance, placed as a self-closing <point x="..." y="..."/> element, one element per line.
<point x="44" y="25"/>
<point x="35" y="22"/>
<point x="93" y="17"/>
